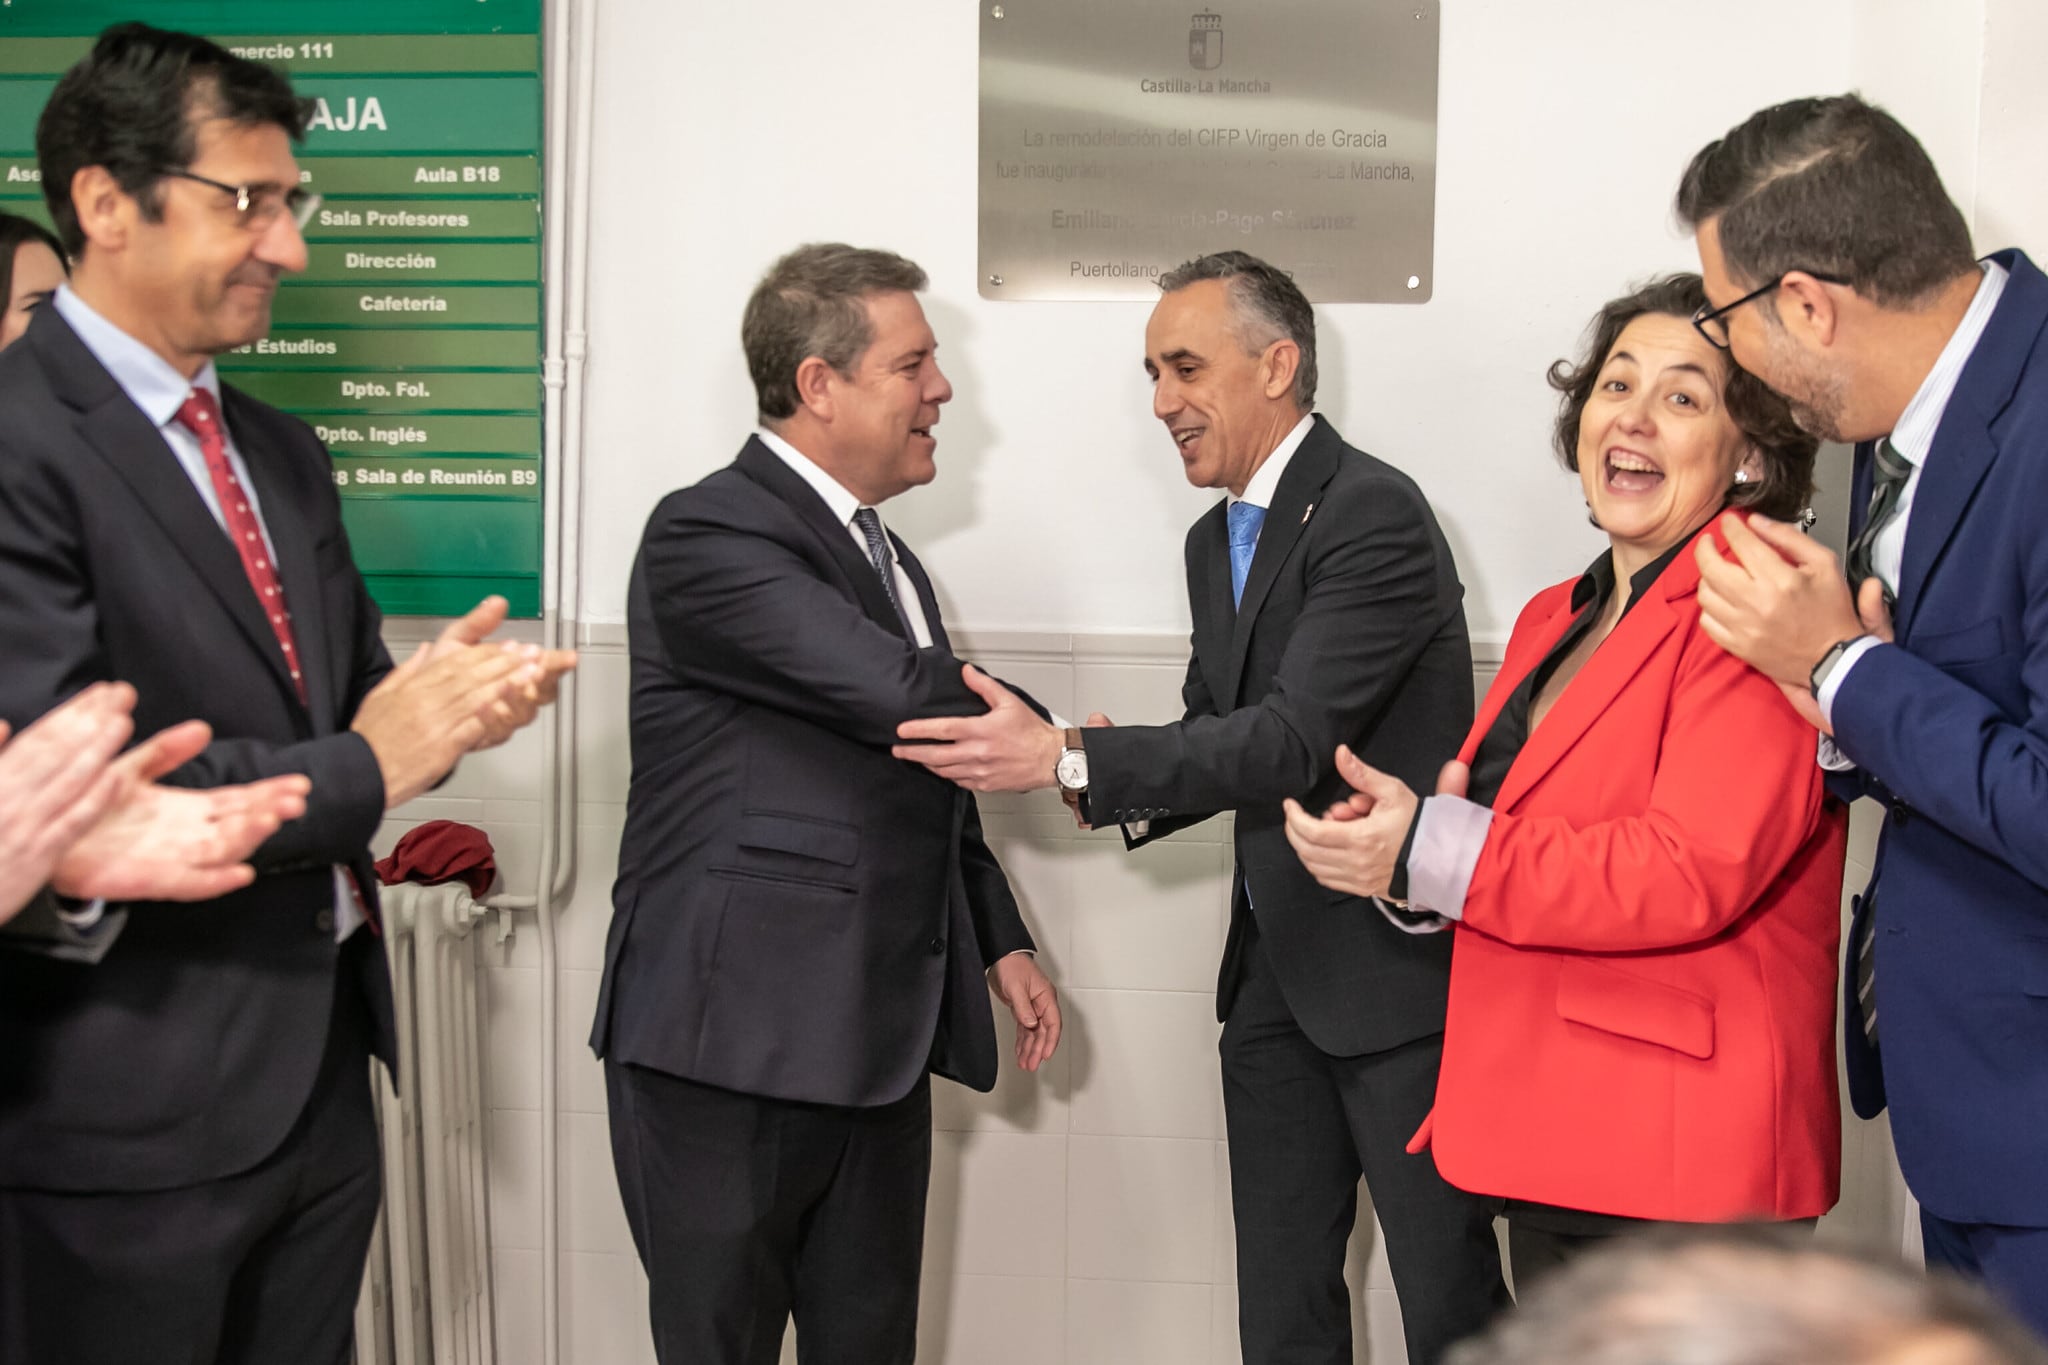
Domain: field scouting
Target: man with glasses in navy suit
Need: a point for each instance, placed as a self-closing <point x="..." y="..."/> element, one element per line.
<point x="1925" y="663"/>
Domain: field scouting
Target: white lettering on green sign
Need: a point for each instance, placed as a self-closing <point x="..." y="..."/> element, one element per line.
<point x="351" y="118"/>
<point x="449" y="175"/>
<point x="411" y="260"/>
<point x="270" y="346"/>
<point x="372" y="303"/>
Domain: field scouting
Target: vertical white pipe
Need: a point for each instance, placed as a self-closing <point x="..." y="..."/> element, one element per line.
<point x="553" y="379"/>
<point x="567" y="218"/>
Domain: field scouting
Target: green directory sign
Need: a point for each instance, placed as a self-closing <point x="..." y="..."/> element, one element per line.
<point x="412" y="343"/>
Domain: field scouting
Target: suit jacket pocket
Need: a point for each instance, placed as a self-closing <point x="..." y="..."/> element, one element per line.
<point x="1955" y="648"/>
<point x="805" y="836"/>
<point x="2031" y="956"/>
<point x="1617" y="1001"/>
<point x="793" y="881"/>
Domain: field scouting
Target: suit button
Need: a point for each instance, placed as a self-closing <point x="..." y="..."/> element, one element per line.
<point x="324" y="921"/>
<point x="938" y="947"/>
<point x="1900" y="810"/>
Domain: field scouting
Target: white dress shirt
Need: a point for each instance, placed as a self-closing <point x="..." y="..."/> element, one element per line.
<point x="1258" y="491"/>
<point x="843" y="505"/>
<point x="156" y="387"/>
<point x="1266" y="480"/>
<point x="1913" y="439"/>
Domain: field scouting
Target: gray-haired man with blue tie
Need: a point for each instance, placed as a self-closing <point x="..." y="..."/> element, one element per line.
<point x="1327" y="611"/>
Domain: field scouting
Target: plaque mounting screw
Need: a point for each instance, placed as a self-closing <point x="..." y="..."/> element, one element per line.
<point x="1414" y="281"/>
<point x="997" y="13"/>
<point x="996" y="280"/>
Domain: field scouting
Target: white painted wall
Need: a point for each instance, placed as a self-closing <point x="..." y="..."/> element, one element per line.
<point x="727" y="134"/>
<point x="1084" y="1216"/>
<point x="2012" y="167"/>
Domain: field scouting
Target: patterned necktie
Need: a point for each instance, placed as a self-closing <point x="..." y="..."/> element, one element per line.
<point x="885" y="564"/>
<point x="1887" y="482"/>
<point x="200" y="415"/>
<point x="1244" y="520"/>
<point x="1888" y="478"/>
<point x="1866" y="978"/>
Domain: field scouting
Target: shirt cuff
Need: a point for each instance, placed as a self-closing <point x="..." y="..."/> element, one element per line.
<point x="85" y="917"/>
<point x="1028" y="952"/>
<point x="1831" y="686"/>
<point x="1450" y="833"/>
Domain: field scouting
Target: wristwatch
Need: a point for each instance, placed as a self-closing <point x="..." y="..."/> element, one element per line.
<point x="1071" y="772"/>
<point x="1828" y="661"/>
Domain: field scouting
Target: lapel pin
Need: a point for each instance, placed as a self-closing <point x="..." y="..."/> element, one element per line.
<point x="1305" y="511"/>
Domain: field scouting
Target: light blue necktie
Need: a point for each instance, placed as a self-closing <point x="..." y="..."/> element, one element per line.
<point x="1244" y="520"/>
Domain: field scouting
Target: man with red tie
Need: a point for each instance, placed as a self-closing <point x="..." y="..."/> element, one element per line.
<point x="188" y="1160"/>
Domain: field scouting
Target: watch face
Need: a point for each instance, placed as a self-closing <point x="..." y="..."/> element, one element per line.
<point x="1072" y="771"/>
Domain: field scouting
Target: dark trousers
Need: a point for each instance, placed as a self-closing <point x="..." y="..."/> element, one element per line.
<point x="2012" y="1262"/>
<point x="257" y="1268"/>
<point x="1303" y="1127"/>
<point x="748" y="1210"/>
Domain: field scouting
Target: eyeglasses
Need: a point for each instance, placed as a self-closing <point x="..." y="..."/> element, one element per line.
<point x="258" y="206"/>
<point x="1712" y="322"/>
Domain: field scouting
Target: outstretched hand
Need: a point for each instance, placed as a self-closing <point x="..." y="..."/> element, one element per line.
<point x="1006" y="749"/>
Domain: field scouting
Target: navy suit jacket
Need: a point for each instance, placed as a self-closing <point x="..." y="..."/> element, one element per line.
<point x="1949" y="728"/>
<point x="798" y="914"/>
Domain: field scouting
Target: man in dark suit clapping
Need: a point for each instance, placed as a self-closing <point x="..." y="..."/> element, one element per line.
<point x="188" y="1156"/>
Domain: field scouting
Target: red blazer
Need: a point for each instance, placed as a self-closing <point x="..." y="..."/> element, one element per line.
<point x="1641" y="1015"/>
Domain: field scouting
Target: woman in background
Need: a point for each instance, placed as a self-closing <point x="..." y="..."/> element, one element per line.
<point x="31" y="268"/>
<point x="1633" y="845"/>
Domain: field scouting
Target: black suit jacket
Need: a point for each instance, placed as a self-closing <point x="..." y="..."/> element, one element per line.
<point x="1352" y="631"/>
<point x="798" y="915"/>
<point x="189" y="1049"/>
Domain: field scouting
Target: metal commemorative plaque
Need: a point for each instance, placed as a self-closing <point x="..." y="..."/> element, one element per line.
<point x="1122" y="137"/>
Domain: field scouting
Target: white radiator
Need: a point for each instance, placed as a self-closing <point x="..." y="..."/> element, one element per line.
<point x="426" y="1297"/>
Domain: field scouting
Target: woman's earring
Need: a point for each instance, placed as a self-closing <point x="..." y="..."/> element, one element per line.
<point x="1742" y="476"/>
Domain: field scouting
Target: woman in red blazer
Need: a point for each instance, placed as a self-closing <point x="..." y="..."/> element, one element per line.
<point x="1633" y="844"/>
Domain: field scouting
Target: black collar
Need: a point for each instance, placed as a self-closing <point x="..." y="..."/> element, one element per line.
<point x="1596" y="584"/>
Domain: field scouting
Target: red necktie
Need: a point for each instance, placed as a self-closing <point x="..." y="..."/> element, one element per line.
<point x="200" y="415"/>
